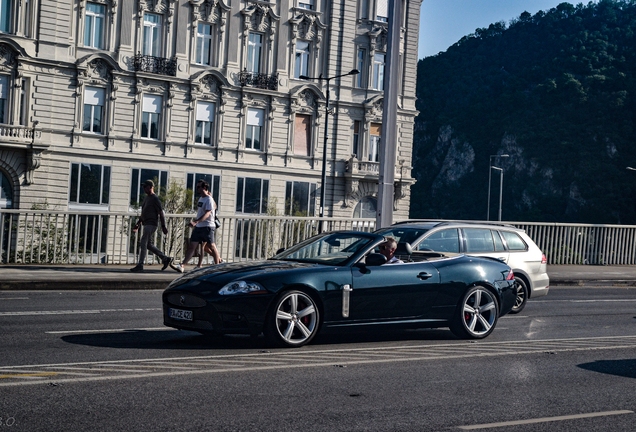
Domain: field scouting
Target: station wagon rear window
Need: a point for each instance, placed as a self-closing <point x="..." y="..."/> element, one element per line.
<point x="514" y="241"/>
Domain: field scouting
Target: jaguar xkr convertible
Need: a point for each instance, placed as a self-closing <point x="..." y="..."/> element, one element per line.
<point x="336" y="281"/>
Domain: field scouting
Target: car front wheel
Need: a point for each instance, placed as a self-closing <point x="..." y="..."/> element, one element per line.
<point x="522" y="295"/>
<point x="293" y="321"/>
<point x="476" y="315"/>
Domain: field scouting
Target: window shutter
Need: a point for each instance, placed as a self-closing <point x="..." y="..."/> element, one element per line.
<point x="255" y="117"/>
<point x="301" y="136"/>
<point x="4" y="83"/>
<point x="205" y="111"/>
<point x="152" y="104"/>
<point x="94" y="96"/>
<point x="383" y="9"/>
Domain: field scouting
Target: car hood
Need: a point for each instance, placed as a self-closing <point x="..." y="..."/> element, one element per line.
<point x="225" y="273"/>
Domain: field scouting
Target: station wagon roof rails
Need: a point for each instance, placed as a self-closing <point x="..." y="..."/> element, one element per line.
<point x="439" y="222"/>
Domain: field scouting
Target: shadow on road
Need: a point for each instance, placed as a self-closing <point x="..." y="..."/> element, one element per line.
<point x="186" y="340"/>
<point x="625" y="368"/>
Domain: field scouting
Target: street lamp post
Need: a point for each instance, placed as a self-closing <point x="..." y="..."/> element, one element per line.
<point x="500" y="188"/>
<point x="490" y="167"/>
<point x="321" y="209"/>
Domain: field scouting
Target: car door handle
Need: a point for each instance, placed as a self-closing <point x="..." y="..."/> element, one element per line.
<point x="424" y="275"/>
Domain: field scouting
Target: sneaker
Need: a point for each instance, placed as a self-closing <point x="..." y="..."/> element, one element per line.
<point x="178" y="268"/>
<point x="138" y="268"/>
<point x="166" y="262"/>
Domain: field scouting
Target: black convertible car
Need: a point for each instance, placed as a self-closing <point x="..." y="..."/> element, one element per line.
<point x="335" y="281"/>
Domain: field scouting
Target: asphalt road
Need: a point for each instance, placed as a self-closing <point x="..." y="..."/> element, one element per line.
<point x="102" y="361"/>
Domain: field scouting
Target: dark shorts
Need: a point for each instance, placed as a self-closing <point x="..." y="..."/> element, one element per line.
<point x="202" y="235"/>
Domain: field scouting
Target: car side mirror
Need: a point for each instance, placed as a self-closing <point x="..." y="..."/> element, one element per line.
<point x="375" y="259"/>
<point x="279" y="251"/>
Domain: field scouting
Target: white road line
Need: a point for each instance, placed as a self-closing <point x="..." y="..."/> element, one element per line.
<point x="111" y="330"/>
<point x="545" y="420"/>
<point x="68" y="312"/>
<point x="516" y="344"/>
<point x="229" y="364"/>
<point x="586" y="301"/>
<point x="14" y="298"/>
<point x="74" y="312"/>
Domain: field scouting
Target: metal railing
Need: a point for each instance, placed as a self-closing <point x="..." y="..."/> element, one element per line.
<point x="259" y="80"/>
<point x="155" y="65"/>
<point x="52" y="237"/>
<point x="583" y="243"/>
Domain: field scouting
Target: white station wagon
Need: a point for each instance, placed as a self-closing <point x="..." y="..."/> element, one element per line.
<point x="504" y="242"/>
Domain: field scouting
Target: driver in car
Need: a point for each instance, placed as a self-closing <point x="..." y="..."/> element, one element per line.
<point x="388" y="250"/>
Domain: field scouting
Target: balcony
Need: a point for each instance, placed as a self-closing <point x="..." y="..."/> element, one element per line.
<point x="16" y="134"/>
<point x="355" y="167"/>
<point x="155" y="65"/>
<point x="259" y="80"/>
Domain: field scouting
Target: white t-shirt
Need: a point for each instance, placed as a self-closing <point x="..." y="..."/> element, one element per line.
<point x="204" y="204"/>
<point x="395" y="260"/>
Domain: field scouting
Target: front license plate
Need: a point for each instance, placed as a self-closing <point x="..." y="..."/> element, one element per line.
<point x="180" y="314"/>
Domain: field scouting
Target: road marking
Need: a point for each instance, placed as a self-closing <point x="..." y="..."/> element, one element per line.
<point x="545" y="420"/>
<point x="69" y="312"/>
<point x="111" y="330"/>
<point x="306" y="358"/>
<point x="14" y="298"/>
<point x="586" y="301"/>
<point x="74" y="312"/>
<point x="28" y="375"/>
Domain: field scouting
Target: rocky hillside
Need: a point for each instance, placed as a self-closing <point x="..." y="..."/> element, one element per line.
<point x="555" y="91"/>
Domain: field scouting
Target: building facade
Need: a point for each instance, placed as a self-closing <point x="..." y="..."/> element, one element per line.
<point x="96" y="96"/>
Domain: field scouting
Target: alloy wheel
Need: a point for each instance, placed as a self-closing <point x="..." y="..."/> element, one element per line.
<point x="476" y="314"/>
<point x="296" y="318"/>
<point x="522" y="296"/>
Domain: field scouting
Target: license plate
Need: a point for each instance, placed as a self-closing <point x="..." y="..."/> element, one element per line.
<point x="179" y="314"/>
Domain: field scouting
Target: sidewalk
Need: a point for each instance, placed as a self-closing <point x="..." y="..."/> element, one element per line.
<point x="119" y="277"/>
<point x="84" y="277"/>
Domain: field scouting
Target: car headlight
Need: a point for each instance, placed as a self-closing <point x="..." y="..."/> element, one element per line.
<point x="241" y="287"/>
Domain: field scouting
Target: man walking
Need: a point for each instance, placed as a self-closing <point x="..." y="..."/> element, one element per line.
<point x="203" y="231"/>
<point x="207" y="247"/>
<point x="151" y="212"/>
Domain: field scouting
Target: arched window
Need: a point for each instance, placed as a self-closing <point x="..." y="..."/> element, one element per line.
<point x="366" y="208"/>
<point x="6" y="192"/>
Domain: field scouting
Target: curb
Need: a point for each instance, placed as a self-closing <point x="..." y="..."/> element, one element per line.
<point x="92" y="285"/>
<point x="612" y="283"/>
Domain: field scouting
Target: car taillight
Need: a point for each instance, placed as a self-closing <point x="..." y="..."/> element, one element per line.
<point x="544" y="260"/>
<point x="511" y="275"/>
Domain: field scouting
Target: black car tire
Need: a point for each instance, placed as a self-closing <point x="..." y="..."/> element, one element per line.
<point x="476" y="315"/>
<point x="293" y="320"/>
<point x="522" y="295"/>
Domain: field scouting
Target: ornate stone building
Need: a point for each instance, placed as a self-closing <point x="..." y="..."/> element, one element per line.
<point x="98" y="95"/>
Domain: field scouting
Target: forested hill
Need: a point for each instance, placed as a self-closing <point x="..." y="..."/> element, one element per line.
<point x="557" y="92"/>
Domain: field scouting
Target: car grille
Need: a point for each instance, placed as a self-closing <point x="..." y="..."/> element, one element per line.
<point x="185" y="300"/>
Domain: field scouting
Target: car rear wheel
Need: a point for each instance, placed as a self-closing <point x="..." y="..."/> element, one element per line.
<point x="293" y="321"/>
<point x="476" y="315"/>
<point x="522" y="295"/>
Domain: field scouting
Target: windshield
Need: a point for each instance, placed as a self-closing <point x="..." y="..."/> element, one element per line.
<point x="403" y="234"/>
<point x="332" y="249"/>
